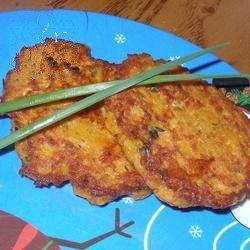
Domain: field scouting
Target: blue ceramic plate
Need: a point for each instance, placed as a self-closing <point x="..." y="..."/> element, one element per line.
<point x="57" y="212"/>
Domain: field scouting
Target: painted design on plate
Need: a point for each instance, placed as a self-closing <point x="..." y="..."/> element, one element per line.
<point x="245" y="244"/>
<point x="242" y="214"/>
<point x="16" y="234"/>
<point x="239" y="224"/>
<point x="195" y="231"/>
<point x="55" y="34"/>
<point x="238" y="96"/>
<point x="149" y="226"/>
<point x="232" y="232"/>
<point x="120" y="38"/>
<point x="221" y="232"/>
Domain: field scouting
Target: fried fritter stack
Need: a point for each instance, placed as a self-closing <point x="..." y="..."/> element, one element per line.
<point x="79" y="150"/>
<point x="183" y="141"/>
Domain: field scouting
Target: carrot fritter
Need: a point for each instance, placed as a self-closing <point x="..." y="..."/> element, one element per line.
<point x="190" y="143"/>
<point x="79" y="150"/>
<point x="184" y="140"/>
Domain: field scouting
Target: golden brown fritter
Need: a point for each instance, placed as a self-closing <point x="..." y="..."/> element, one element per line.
<point x="79" y="149"/>
<point x="190" y="144"/>
<point x="187" y="141"/>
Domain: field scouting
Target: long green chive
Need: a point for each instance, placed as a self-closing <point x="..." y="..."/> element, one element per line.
<point x="97" y="97"/>
<point x="34" y="100"/>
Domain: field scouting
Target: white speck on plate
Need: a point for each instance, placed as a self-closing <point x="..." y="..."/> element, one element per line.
<point x="46" y="28"/>
<point x="172" y="58"/>
<point x="56" y="35"/>
<point x="128" y="200"/>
